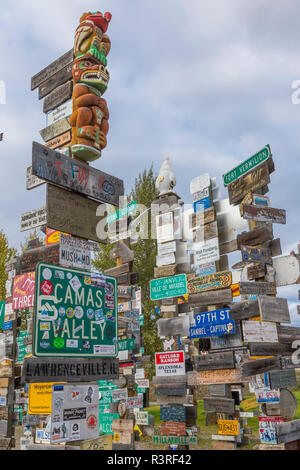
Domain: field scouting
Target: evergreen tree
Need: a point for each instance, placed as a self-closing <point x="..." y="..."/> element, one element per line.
<point x="6" y="254"/>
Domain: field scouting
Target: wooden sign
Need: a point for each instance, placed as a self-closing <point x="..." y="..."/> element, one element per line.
<point x="274" y="309"/>
<point x="173" y="428"/>
<point x="58" y="96"/>
<point x="32" y="181"/>
<point x="287" y="270"/>
<point x="60" y="141"/>
<point x="59" y="78"/>
<point x="210" y="282"/>
<point x="255" y="237"/>
<point x="101" y="443"/>
<point x="256" y="271"/>
<point x="175" y="440"/>
<point x="54" y="130"/>
<point x="61" y="112"/>
<point x="166" y="248"/>
<point x="249" y="404"/>
<point x="215" y="361"/>
<point x="206" y="252"/>
<point x="256" y="367"/>
<point x="251" y="182"/>
<point x="69" y="370"/>
<point x="177" y="389"/>
<point x="202" y="218"/>
<point x="288" y="404"/>
<point x="173" y="326"/>
<point x="52" y="69"/>
<point x="222" y="296"/>
<point x="270" y="349"/>
<point x="210" y="377"/>
<point x="260" y="332"/>
<point x="248" y="165"/>
<point x="264" y="214"/>
<point x="173" y="379"/>
<point x="173" y="413"/>
<point x="282" y="378"/>
<point x="258" y="288"/>
<point x="228" y="427"/>
<point x="124" y="425"/>
<point x="219" y="405"/>
<point x="288" y="432"/>
<point x="45" y="254"/>
<point x="77" y="176"/>
<point x="200" y="183"/>
<point x="257" y="254"/>
<point x="230" y="341"/>
<point x="222" y="390"/>
<point x="71" y="213"/>
<point x="165" y="271"/>
<point x="33" y="219"/>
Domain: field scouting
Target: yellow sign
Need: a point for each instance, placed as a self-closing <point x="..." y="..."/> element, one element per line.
<point x="249" y="403"/>
<point x="228" y="427"/>
<point x="235" y="290"/>
<point x="53" y="236"/>
<point x="117" y="437"/>
<point x="40" y="398"/>
<point x="136" y="428"/>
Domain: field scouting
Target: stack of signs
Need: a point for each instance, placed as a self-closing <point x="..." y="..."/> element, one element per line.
<point x="177" y="410"/>
<point x="260" y="311"/>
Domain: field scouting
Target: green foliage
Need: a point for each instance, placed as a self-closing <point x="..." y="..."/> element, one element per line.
<point x="102" y="261"/>
<point x="32" y="236"/>
<point x="6" y="254"/>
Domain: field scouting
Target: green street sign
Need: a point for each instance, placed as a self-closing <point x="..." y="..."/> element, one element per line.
<point x="168" y="287"/>
<point x="126" y="345"/>
<point x="248" y="165"/>
<point x="74" y="318"/>
<point x="125" y="212"/>
<point x="2" y="314"/>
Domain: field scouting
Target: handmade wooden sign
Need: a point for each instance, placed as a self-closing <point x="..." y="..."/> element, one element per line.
<point x="215" y="361"/>
<point x="260" y="255"/>
<point x="287" y="270"/>
<point x="173" y="413"/>
<point x="256" y="271"/>
<point x="270" y="349"/>
<point x="166" y="390"/>
<point x="215" y="281"/>
<point x="72" y="317"/>
<point x="32" y="181"/>
<point x="255" y="237"/>
<point x="228" y="427"/>
<point x="287" y="432"/>
<point x="45" y="254"/>
<point x="230" y="341"/>
<point x="288" y="404"/>
<point x="258" y="288"/>
<point x="248" y="165"/>
<point x="210" y="377"/>
<point x="256" y="367"/>
<point x="274" y="309"/>
<point x="36" y="370"/>
<point x="101" y="443"/>
<point x="33" y="219"/>
<point x="60" y="141"/>
<point x="173" y="326"/>
<point x="202" y="218"/>
<point x="56" y="168"/>
<point x="173" y="440"/>
<point x="58" y="79"/>
<point x="259" y="332"/>
<point x="251" y="182"/>
<point x="58" y="96"/>
<point x="71" y="213"/>
<point x="282" y="378"/>
<point x="249" y="404"/>
<point x="222" y="296"/>
<point x="219" y="405"/>
<point x="55" y="130"/>
<point x="264" y="214"/>
<point x="173" y="428"/>
<point x="168" y="287"/>
<point x="52" y="69"/>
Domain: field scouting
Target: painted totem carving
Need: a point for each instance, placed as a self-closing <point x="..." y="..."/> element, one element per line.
<point x="90" y="116"/>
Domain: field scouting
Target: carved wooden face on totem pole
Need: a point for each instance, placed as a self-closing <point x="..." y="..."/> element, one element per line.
<point x="90" y="116"/>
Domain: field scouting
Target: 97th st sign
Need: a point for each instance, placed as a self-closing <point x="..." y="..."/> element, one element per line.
<point x="73" y="317"/>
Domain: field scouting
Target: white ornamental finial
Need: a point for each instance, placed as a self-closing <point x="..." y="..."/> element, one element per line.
<point x="166" y="180"/>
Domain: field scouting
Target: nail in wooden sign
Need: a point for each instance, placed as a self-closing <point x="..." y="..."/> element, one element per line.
<point x="248" y="165"/>
<point x="264" y="214"/>
<point x="209" y="282"/>
<point x="257" y="254"/>
<point x="251" y="182"/>
<point x="71" y="213"/>
<point x="56" y="168"/>
<point x="52" y="69"/>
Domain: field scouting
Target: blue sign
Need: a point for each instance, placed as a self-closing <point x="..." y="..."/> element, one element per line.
<point x="202" y="205"/>
<point x="213" y="324"/>
<point x="8" y="326"/>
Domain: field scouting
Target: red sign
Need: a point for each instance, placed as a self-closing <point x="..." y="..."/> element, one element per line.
<point x="23" y="291"/>
<point x="170" y="363"/>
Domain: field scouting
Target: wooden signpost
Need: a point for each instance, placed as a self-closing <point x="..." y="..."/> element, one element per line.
<point x="264" y="214"/>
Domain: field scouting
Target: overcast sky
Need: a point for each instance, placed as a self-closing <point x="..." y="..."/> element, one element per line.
<point x="205" y="82"/>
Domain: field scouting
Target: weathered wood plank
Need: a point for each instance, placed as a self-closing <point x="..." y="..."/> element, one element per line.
<point x="258" y="288"/>
<point x="202" y="218"/>
<point x="52" y="69"/>
<point x="46" y="254"/>
<point x="257" y="254"/>
<point x="215" y="361"/>
<point x="178" y="389"/>
<point x="51" y="132"/>
<point x="219" y="405"/>
<point x="210" y="377"/>
<point x="59" y="78"/>
<point x="283" y="378"/>
<point x="169" y="380"/>
<point x="58" y="96"/>
<point x="244" y="310"/>
<point x="228" y="247"/>
<point x="222" y="390"/>
<point x="165" y="271"/>
<point x="218" y="297"/>
<point x="256" y="272"/>
<point x="274" y="309"/>
<point x="251" y="182"/>
<point x="270" y="349"/>
<point x="173" y="326"/>
<point x="255" y="237"/>
<point x="119" y="270"/>
<point x="264" y="214"/>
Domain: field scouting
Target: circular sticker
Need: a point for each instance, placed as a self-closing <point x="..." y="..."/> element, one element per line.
<point x="47" y="288"/>
<point x="69" y="276"/>
<point x="47" y="274"/>
<point x="62" y="312"/>
<point x="90" y="314"/>
<point x="110" y="332"/>
<point x="59" y="343"/>
<point x="92" y="422"/>
<point x="79" y="312"/>
<point x="70" y="313"/>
